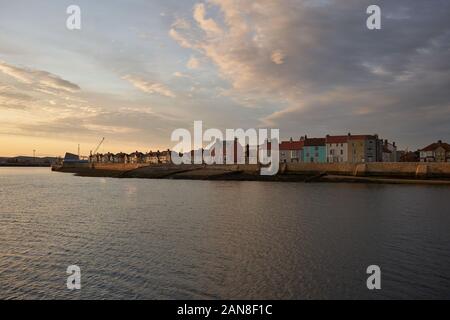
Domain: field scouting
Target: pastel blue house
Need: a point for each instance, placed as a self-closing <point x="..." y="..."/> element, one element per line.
<point x="314" y="150"/>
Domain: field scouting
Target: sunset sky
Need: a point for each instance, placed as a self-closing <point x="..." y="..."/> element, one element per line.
<point x="139" y="69"/>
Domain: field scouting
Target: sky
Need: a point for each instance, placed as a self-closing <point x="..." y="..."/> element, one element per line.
<point x="139" y="69"/>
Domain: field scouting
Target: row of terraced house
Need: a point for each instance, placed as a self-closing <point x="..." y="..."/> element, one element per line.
<point x="341" y="148"/>
<point x="157" y="157"/>
<point x="330" y="149"/>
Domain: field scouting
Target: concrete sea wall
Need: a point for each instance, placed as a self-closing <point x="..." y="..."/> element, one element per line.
<point x="376" y="169"/>
<point x="382" y="169"/>
<point x="117" y="166"/>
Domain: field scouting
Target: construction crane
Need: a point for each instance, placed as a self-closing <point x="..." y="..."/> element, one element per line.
<point x="98" y="146"/>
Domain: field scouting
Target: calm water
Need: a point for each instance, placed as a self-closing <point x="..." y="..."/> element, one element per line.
<point x="162" y="239"/>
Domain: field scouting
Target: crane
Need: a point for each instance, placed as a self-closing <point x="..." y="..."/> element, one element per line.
<point x="98" y="146"/>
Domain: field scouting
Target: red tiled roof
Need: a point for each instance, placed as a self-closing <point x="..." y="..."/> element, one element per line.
<point x="291" y="145"/>
<point x="336" y="139"/>
<point x="314" y="142"/>
<point x="436" y="145"/>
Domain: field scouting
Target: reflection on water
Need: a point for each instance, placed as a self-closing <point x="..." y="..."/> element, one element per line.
<point x="158" y="239"/>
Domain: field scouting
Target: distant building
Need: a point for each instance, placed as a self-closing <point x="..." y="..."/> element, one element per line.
<point x="408" y="156"/>
<point x="70" y="157"/>
<point x="120" y="158"/>
<point x="237" y="154"/>
<point x="436" y="152"/>
<point x="107" y="158"/>
<point x="151" y="158"/>
<point x="136" y="157"/>
<point x="73" y="158"/>
<point x="337" y="148"/>
<point x="389" y="152"/>
<point x="165" y="157"/>
<point x="292" y="151"/>
<point x="314" y="150"/>
<point x="364" y="148"/>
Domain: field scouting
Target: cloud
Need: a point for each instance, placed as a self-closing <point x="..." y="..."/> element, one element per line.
<point x="127" y="127"/>
<point x="11" y="98"/>
<point x="42" y="79"/>
<point x="208" y="25"/>
<point x="277" y="57"/>
<point x="242" y="50"/>
<point x="17" y="73"/>
<point x="180" y="25"/>
<point x="193" y="63"/>
<point x="317" y="60"/>
<point x="179" y="74"/>
<point x="149" y="87"/>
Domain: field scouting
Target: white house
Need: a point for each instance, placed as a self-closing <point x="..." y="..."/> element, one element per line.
<point x="337" y="148"/>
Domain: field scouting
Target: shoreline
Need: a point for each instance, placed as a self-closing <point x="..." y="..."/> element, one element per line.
<point x="217" y="173"/>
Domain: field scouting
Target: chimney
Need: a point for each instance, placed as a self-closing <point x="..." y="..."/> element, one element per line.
<point x="291" y="139"/>
<point x="349" y="134"/>
<point x="439" y="141"/>
<point x="393" y="143"/>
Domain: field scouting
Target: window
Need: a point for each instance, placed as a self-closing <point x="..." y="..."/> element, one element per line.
<point x="342" y="152"/>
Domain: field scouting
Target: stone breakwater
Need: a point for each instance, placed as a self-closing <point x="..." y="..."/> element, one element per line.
<point x="424" y="173"/>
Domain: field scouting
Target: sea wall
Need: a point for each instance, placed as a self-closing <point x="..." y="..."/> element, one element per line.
<point x="375" y="169"/>
<point x="383" y="169"/>
<point x="117" y="166"/>
<point x="131" y="166"/>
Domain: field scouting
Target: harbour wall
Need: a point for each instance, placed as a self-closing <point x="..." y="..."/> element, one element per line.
<point x="374" y="169"/>
<point x="383" y="169"/>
